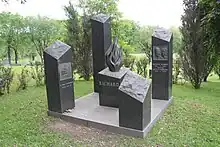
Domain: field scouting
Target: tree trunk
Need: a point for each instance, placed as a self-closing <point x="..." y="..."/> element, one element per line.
<point x="9" y="55"/>
<point x="219" y="76"/>
<point x="205" y="78"/>
<point x="33" y="57"/>
<point x="197" y="86"/>
<point x="16" y="56"/>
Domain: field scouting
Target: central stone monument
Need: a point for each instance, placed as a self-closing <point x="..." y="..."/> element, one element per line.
<point x="111" y="77"/>
<point x="122" y="102"/>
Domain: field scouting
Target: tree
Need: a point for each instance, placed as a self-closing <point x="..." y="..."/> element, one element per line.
<point x="109" y="7"/>
<point x="217" y="67"/>
<point x="42" y="32"/>
<point x="21" y="1"/>
<point x="193" y="52"/>
<point x="177" y="39"/>
<point x="127" y="30"/>
<point x="210" y="19"/>
<point x="12" y="29"/>
<point x="78" y="37"/>
<point x="144" y="40"/>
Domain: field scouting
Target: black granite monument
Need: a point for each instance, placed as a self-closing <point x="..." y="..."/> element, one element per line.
<point x="101" y="40"/>
<point x="111" y="77"/>
<point x="59" y="77"/>
<point x="135" y="102"/>
<point x="162" y="56"/>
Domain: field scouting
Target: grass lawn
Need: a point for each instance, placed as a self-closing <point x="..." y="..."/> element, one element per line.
<point x="192" y="120"/>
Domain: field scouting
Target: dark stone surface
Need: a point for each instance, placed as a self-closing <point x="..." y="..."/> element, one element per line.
<point x="114" y="56"/>
<point x="135" y="102"/>
<point x="109" y="84"/>
<point x="59" y="77"/>
<point x="101" y="40"/>
<point x="162" y="58"/>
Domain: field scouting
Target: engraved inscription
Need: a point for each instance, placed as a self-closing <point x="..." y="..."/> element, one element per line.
<point x="66" y="85"/>
<point x="110" y="84"/>
<point x="65" y="71"/>
<point x="157" y="67"/>
<point x="160" y="53"/>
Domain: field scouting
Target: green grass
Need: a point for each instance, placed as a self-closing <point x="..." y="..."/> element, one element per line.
<point x="23" y="117"/>
<point x="192" y="120"/>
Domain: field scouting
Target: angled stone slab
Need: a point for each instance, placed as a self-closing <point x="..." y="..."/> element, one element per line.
<point x="135" y="102"/>
<point x="59" y="77"/>
<point x="101" y="40"/>
<point x="162" y="58"/>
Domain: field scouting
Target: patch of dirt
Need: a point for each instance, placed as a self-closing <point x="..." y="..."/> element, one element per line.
<point x="88" y="136"/>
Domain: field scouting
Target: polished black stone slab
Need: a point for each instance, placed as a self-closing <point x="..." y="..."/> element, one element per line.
<point x="109" y="83"/>
<point x="135" y="102"/>
<point x="101" y="41"/>
<point x="162" y="58"/>
<point x="59" y="77"/>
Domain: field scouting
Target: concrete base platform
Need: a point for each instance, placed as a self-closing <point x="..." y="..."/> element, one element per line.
<point x="88" y="112"/>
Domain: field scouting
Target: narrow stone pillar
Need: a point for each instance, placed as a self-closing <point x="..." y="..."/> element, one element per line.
<point x="101" y="40"/>
<point x="162" y="58"/>
<point x="59" y="77"/>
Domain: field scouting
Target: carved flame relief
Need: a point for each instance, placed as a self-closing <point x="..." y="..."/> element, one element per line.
<point x="114" y="56"/>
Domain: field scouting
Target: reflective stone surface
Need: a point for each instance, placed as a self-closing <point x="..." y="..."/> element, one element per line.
<point x="101" y="40"/>
<point x="162" y="58"/>
<point x="59" y="77"/>
<point x="135" y="102"/>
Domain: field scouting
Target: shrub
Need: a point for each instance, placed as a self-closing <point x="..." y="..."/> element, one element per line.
<point x="141" y="65"/>
<point x="176" y="70"/>
<point x="6" y="74"/>
<point x="217" y="68"/>
<point x="129" y="62"/>
<point x="37" y="73"/>
<point x="23" y="79"/>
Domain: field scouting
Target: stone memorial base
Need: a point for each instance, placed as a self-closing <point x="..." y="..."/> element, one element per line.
<point x="88" y="112"/>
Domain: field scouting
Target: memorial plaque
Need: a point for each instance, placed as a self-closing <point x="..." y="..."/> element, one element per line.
<point x="101" y="40"/>
<point x="65" y="71"/>
<point x="59" y="77"/>
<point x="160" y="52"/>
<point x="162" y="64"/>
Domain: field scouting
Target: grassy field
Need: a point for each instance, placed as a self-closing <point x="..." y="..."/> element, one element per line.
<point x="192" y="120"/>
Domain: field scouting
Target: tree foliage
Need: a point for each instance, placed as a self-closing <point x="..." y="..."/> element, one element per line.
<point x="210" y="19"/>
<point x="42" y="31"/>
<point x="11" y="32"/>
<point x="79" y="38"/>
<point x="192" y="53"/>
<point x="8" y="1"/>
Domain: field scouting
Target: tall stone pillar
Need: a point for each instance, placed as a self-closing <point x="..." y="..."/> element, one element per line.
<point x="162" y="58"/>
<point x="59" y="77"/>
<point x="101" y="40"/>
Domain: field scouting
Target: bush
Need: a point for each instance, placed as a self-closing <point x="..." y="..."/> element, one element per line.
<point x="6" y="74"/>
<point x="217" y="68"/>
<point x="129" y="62"/>
<point x="23" y="79"/>
<point x="37" y="73"/>
<point x="141" y="65"/>
<point x="176" y="70"/>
